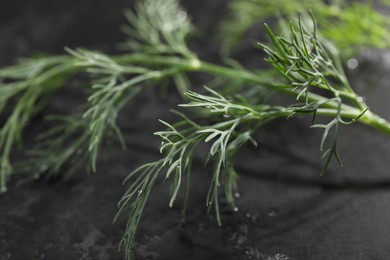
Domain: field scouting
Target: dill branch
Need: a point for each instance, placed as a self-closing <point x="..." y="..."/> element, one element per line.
<point x="118" y="79"/>
<point x="159" y="27"/>
<point x="179" y="143"/>
<point x="305" y="65"/>
<point x="340" y="21"/>
<point x="24" y="89"/>
<point x="78" y="141"/>
<point x="157" y="39"/>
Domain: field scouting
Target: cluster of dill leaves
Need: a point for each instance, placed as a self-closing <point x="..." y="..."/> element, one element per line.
<point x="307" y="64"/>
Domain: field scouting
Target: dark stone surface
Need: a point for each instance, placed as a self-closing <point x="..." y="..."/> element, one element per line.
<point x="285" y="210"/>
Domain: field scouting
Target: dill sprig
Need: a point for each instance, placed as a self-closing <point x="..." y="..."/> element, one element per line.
<point x="305" y="65"/>
<point x="179" y="143"/>
<point x="350" y="25"/>
<point x="160" y="54"/>
<point x="158" y="28"/>
<point x="224" y="118"/>
<point x="24" y="89"/>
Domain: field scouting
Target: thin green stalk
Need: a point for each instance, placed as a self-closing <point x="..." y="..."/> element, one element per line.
<point x="376" y="122"/>
<point x="196" y="65"/>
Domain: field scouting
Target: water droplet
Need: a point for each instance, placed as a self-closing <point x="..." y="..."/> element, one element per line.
<point x="241" y="240"/>
<point x="44" y="167"/>
<point x="182" y="15"/>
<point x="381" y="121"/>
<point x="237" y="195"/>
<point x="280" y="257"/>
<point x="226" y="115"/>
<point x="352" y="63"/>
<point x="248" y="215"/>
<point x="272" y="212"/>
<point x="140" y="191"/>
<point x="360" y="99"/>
<point x="4" y="189"/>
<point x="235" y="209"/>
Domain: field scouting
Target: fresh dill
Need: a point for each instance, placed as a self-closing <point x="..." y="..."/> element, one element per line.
<point x="306" y="65"/>
<point x="350" y="26"/>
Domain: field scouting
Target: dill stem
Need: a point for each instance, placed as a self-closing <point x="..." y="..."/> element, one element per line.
<point x="368" y="118"/>
<point x="376" y="122"/>
<point x="329" y="108"/>
<point x="197" y="65"/>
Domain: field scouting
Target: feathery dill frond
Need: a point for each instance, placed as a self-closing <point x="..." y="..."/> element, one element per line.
<point x="305" y="64"/>
<point x="158" y="27"/>
<point x="64" y="143"/>
<point x="350" y="25"/>
<point x="179" y="143"/>
<point x="80" y="139"/>
<point x="243" y="15"/>
<point x="237" y="122"/>
<point x="24" y="89"/>
<point x="358" y="27"/>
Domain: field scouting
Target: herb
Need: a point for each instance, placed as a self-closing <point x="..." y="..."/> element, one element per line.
<point x="350" y="26"/>
<point x="225" y="117"/>
<point x="305" y="64"/>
